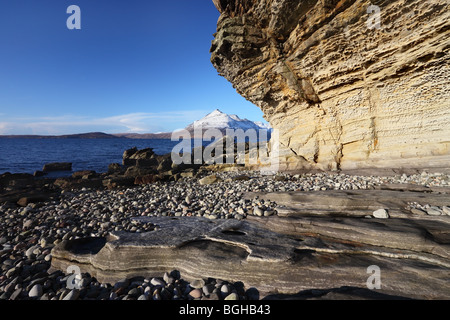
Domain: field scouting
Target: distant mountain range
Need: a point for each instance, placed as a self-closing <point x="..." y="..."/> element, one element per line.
<point x="214" y="120"/>
<point x="90" y="135"/>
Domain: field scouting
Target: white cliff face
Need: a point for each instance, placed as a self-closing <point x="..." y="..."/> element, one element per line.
<point x="343" y="92"/>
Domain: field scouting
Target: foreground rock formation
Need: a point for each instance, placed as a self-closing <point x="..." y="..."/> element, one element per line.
<point x="293" y="253"/>
<point x="344" y="88"/>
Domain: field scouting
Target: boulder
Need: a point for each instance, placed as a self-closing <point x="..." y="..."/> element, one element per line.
<point x="140" y="158"/>
<point x="136" y="171"/>
<point x="164" y="163"/>
<point x="128" y="153"/>
<point x="38" y="174"/>
<point x="114" y="168"/>
<point x="85" y="174"/>
<point x="57" y="166"/>
<point x="209" y="179"/>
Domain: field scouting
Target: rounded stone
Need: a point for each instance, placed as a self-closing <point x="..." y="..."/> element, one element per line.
<point x="72" y="295"/>
<point x="225" y="289"/>
<point x="197" y="284"/>
<point x="232" y="296"/>
<point x="446" y="210"/>
<point x="381" y="214"/>
<point x="434" y="211"/>
<point x="196" y="293"/>
<point x="258" y="211"/>
<point x="208" y="289"/>
<point x="157" y="282"/>
<point x="36" y="291"/>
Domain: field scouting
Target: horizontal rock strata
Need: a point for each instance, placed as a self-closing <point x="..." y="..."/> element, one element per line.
<point x="343" y="88"/>
<point x="354" y="203"/>
<point x="278" y="255"/>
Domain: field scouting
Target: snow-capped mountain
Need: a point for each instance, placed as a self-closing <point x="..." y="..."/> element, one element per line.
<point x="222" y="121"/>
<point x="214" y="120"/>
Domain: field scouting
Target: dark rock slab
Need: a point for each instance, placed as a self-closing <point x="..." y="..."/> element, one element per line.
<point x="84" y="174"/>
<point x="57" y="166"/>
<point x="113" y="182"/>
<point x="140" y="158"/>
<point x="23" y="189"/>
<point x="16" y="180"/>
<point x="114" y="168"/>
<point x="86" y="181"/>
<point x="276" y="255"/>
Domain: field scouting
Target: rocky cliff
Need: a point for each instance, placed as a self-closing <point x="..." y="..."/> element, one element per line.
<point x="348" y="83"/>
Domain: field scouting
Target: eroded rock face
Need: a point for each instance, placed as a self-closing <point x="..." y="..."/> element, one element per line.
<point x="342" y="92"/>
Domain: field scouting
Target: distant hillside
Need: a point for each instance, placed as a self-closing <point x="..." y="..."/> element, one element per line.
<point x="89" y="135"/>
<point x="163" y="135"/>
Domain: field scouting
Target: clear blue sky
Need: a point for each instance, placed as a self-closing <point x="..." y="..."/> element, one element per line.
<point x="135" y="66"/>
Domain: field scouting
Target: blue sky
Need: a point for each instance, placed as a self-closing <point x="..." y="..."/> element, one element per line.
<point x="135" y="66"/>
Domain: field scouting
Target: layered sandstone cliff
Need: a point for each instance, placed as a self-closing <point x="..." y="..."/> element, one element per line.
<point x="349" y="83"/>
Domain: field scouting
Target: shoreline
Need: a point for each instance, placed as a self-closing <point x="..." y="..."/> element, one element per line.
<point x="29" y="233"/>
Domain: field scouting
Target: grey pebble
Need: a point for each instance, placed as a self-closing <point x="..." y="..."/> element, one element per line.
<point x="197" y="284"/>
<point x="224" y="288"/>
<point x="381" y="214"/>
<point x="208" y="289"/>
<point x="418" y="212"/>
<point x="434" y="211"/>
<point x="35" y="292"/>
<point x="30" y="252"/>
<point x="258" y="211"/>
<point x="72" y="295"/>
<point x="446" y="210"/>
<point x="232" y="296"/>
<point x="16" y="294"/>
<point x="157" y="282"/>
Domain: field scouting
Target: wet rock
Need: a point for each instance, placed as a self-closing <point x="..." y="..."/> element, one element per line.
<point x="57" y="166"/>
<point x="114" y="168"/>
<point x="85" y="174"/>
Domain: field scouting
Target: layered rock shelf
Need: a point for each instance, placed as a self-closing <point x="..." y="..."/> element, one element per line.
<point x="297" y="251"/>
<point x="345" y="87"/>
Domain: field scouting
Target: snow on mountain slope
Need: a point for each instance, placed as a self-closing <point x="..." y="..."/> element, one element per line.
<point x="220" y="120"/>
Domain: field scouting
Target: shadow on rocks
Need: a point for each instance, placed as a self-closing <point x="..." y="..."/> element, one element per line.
<point x="342" y="293"/>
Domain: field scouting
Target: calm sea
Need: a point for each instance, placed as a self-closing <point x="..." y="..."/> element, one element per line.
<point x="29" y="155"/>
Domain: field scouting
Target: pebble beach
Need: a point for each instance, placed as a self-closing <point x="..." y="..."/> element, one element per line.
<point x="27" y="235"/>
